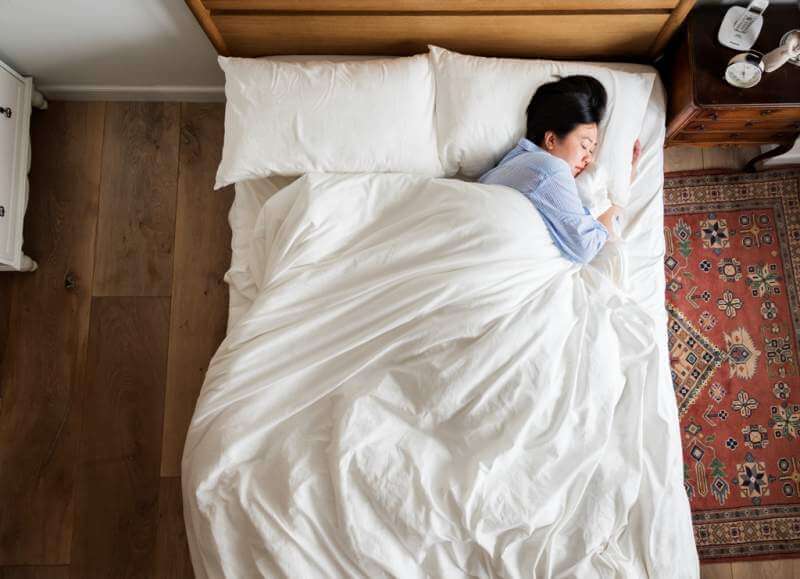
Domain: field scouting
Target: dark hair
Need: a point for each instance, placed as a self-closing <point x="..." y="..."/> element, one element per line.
<point x="562" y="105"/>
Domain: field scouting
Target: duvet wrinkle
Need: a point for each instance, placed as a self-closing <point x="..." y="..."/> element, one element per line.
<point x="361" y="485"/>
<point x="408" y="403"/>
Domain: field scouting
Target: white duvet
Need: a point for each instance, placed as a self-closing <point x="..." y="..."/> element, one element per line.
<point x="423" y="387"/>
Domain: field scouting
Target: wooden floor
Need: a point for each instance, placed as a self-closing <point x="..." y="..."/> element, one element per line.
<point x="694" y="158"/>
<point x="103" y="350"/>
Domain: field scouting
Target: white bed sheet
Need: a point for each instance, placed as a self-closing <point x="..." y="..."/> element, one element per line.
<point x="661" y="481"/>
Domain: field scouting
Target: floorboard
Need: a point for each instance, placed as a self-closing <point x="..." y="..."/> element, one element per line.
<point x="733" y="158"/>
<point x="137" y="202"/>
<point x="118" y="484"/>
<point x="48" y="327"/>
<point x="716" y="571"/>
<point x="778" y="569"/>
<point x="35" y="572"/>
<point x="202" y="255"/>
<point x="682" y="159"/>
<point x="6" y="301"/>
<point x="172" y="551"/>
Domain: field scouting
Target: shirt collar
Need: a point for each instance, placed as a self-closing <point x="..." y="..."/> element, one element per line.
<point x="528" y="145"/>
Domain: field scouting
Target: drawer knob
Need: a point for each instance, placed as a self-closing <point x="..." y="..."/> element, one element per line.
<point x="5" y="111"/>
<point x="766" y="112"/>
<point x="713" y="116"/>
<point x="749" y="124"/>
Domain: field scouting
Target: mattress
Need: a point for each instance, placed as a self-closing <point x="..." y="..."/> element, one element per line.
<point x="658" y="554"/>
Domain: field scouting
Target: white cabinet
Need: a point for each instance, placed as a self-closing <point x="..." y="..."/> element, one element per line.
<point x="16" y="93"/>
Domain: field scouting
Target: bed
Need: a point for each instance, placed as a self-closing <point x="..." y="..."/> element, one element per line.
<point x="407" y="390"/>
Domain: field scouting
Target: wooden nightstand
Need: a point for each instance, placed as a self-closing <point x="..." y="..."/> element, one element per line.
<point x="704" y="110"/>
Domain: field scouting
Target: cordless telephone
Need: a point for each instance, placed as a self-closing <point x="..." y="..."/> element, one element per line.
<point x="741" y="26"/>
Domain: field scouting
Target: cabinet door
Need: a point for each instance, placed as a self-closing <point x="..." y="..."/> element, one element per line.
<point x="11" y="90"/>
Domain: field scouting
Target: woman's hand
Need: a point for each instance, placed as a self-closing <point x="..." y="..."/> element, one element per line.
<point x="637" y="151"/>
<point x="607" y="217"/>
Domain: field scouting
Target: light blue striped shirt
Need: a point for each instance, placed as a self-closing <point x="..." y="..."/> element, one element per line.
<point x="548" y="182"/>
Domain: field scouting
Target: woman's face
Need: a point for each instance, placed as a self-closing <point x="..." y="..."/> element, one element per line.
<point x="576" y="148"/>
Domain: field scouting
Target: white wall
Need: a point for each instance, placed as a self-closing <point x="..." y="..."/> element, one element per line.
<point x="110" y="49"/>
<point x="137" y="49"/>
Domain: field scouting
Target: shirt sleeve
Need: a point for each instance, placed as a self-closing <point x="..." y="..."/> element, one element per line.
<point x="577" y="234"/>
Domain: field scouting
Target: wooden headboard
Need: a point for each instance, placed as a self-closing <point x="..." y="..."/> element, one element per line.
<point x="598" y="29"/>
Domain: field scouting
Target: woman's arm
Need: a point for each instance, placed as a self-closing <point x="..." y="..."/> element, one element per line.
<point x="607" y="217"/>
<point x="577" y="234"/>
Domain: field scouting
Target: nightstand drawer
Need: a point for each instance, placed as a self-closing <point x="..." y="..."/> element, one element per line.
<point x="742" y="125"/>
<point x="741" y="115"/>
<point x="737" y="137"/>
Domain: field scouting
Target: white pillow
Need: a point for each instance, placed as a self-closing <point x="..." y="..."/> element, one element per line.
<point x="290" y="118"/>
<point x="481" y="102"/>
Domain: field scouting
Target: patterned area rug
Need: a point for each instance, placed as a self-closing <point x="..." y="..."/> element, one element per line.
<point x="733" y="270"/>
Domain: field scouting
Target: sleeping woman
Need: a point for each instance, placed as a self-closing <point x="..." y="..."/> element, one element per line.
<point x="559" y="143"/>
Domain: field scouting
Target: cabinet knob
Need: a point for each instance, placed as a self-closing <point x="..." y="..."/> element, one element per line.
<point x="766" y="112"/>
<point x="5" y="111"/>
<point x="713" y="116"/>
